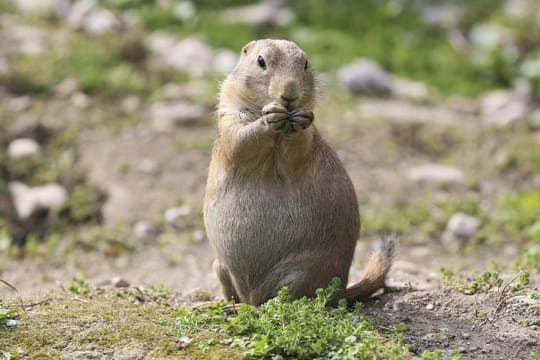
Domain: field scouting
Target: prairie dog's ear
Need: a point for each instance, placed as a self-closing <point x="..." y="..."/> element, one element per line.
<point x="247" y="48"/>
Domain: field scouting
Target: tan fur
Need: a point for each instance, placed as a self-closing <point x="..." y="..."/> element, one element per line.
<point x="280" y="209"/>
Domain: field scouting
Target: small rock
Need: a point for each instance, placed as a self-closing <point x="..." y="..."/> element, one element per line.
<point x="463" y="225"/>
<point x="173" y="215"/>
<point x="465" y="336"/>
<point x="191" y="91"/>
<point x="522" y="299"/>
<point x="487" y="36"/>
<point x="198" y="235"/>
<point x="365" y="76"/>
<point x="87" y="354"/>
<point x="409" y="89"/>
<point x="81" y="100"/>
<point x="27" y="40"/>
<point x="441" y="14"/>
<point x="517" y="9"/>
<point x="149" y="166"/>
<point x="29" y="127"/>
<point x="166" y="116"/>
<point x="435" y="173"/>
<point x="35" y="8"/>
<point x="28" y="200"/>
<point x="101" y="21"/>
<point x="118" y="282"/>
<point x="430" y="307"/>
<point x="11" y="322"/>
<point x="145" y="230"/>
<point x="159" y="43"/>
<point x="190" y="55"/>
<point x="183" y="342"/>
<point x="265" y="13"/>
<point x="20" y="103"/>
<point x="184" y="10"/>
<point x="530" y="68"/>
<point x="503" y="107"/>
<point x="67" y="87"/>
<point x="129" y="104"/>
<point x="224" y="61"/>
<point x="85" y="15"/>
<point x="23" y="148"/>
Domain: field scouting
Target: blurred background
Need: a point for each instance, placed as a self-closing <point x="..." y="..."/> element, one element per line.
<point x="106" y="127"/>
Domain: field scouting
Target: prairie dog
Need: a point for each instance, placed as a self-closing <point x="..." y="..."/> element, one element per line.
<point x="280" y="209"/>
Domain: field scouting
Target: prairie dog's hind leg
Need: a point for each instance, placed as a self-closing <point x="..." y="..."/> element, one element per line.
<point x="302" y="275"/>
<point x="225" y="280"/>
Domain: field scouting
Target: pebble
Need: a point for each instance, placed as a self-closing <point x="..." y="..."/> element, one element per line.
<point x="28" y="200"/>
<point x="145" y="230"/>
<point x="265" y="13"/>
<point x="183" y="342"/>
<point x="27" y="40"/>
<point x="409" y="89"/>
<point x="81" y="100"/>
<point x="224" y="61"/>
<point x="174" y="214"/>
<point x="503" y="107"/>
<point x="23" y="148"/>
<point x="465" y="336"/>
<point x="67" y="87"/>
<point x="20" y="103"/>
<point x="198" y="235"/>
<point x="441" y="14"/>
<point x="149" y="166"/>
<point x="463" y="225"/>
<point x="35" y="8"/>
<point x="87" y="16"/>
<point x="435" y="173"/>
<point x="27" y="126"/>
<point x="166" y="116"/>
<point x="118" y="282"/>
<point x="130" y="104"/>
<point x="190" y="55"/>
<point x="184" y="10"/>
<point x="365" y="76"/>
<point x="430" y="307"/>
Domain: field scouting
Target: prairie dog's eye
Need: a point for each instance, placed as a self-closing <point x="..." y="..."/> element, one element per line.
<point x="306" y="66"/>
<point x="261" y="62"/>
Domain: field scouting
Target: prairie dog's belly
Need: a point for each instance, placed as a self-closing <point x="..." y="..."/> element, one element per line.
<point x="253" y="226"/>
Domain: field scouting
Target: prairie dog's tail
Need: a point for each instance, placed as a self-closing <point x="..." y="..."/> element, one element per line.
<point x="375" y="272"/>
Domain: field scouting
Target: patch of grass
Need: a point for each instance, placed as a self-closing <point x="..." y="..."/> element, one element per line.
<point x="301" y="329"/>
<point x="63" y="324"/>
<point x="100" y="66"/>
<point x="438" y="355"/>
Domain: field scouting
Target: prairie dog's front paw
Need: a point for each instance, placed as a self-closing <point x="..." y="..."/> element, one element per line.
<point x="301" y="119"/>
<point x="274" y="116"/>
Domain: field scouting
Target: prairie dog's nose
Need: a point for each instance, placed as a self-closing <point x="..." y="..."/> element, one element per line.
<point x="290" y="91"/>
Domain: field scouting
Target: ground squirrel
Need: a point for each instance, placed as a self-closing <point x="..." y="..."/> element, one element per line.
<point x="280" y="209"/>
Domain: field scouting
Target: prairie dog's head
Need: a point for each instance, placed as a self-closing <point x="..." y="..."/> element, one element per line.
<point x="272" y="70"/>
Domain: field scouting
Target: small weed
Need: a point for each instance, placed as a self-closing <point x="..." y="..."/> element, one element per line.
<point x="78" y="286"/>
<point x="483" y="283"/>
<point x="438" y="355"/>
<point x="7" y="317"/>
<point x="448" y="275"/>
<point x="301" y="329"/>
